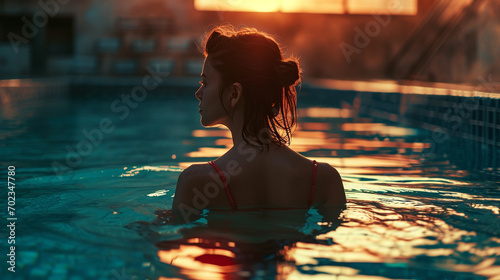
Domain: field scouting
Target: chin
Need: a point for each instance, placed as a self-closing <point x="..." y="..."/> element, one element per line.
<point x="205" y="123"/>
<point x="210" y="123"/>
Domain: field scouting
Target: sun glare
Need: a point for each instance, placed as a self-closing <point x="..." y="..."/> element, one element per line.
<point x="400" y="7"/>
<point x="237" y="5"/>
<point x="313" y="6"/>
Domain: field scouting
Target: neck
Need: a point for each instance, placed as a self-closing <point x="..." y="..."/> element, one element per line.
<point x="238" y="140"/>
<point x="235" y="126"/>
<point x="237" y="137"/>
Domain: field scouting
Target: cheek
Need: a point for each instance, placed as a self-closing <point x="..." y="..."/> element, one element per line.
<point x="211" y="94"/>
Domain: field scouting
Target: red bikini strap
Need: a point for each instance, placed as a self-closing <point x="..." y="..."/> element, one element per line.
<point x="313" y="185"/>
<point x="223" y="179"/>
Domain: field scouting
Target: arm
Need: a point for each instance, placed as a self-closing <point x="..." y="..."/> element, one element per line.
<point x="333" y="193"/>
<point x="182" y="206"/>
<point x="333" y="188"/>
<point x="330" y="187"/>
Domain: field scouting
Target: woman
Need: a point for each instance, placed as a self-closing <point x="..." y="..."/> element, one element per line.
<point x="249" y="87"/>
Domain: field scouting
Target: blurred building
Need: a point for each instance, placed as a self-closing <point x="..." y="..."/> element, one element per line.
<point x="431" y="40"/>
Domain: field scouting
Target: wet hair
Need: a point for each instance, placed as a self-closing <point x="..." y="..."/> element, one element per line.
<point x="255" y="60"/>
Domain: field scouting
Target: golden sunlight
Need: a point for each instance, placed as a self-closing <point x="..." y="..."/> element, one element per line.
<point x="313" y="6"/>
<point x="401" y="7"/>
<point x="237" y="5"/>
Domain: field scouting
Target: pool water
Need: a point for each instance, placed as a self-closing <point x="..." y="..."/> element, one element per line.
<point x="94" y="185"/>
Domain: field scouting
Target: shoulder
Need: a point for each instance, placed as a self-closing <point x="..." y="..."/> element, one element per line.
<point x="328" y="172"/>
<point x="185" y="206"/>
<point x="330" y="184"/>
<point x="194" y="175"/>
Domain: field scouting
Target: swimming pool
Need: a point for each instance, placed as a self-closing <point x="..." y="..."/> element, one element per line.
<point x="95" y="176"/>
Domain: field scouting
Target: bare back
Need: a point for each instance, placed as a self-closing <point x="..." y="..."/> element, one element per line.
<point x="277" y="178"/>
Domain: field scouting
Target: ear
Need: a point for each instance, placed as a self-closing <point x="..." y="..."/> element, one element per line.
<point x="236" y="94"/>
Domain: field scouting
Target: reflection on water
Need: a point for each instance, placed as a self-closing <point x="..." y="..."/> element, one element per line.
<point x="407" y="217"/>
<point x="392" y="226"/>
<point x="253" y="244"/>
<point x="411" y="213"/>
<point x="384" y="148"/>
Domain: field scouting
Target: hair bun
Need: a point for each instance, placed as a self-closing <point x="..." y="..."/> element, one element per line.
<point x="288" y="73"/>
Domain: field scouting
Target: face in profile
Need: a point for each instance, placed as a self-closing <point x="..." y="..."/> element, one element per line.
<point x="211" y="110"/>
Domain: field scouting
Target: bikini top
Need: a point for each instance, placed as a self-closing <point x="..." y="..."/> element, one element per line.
<point x="231" y="198"/>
